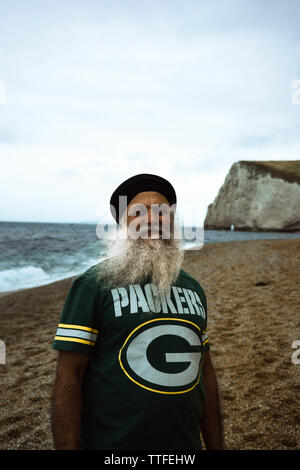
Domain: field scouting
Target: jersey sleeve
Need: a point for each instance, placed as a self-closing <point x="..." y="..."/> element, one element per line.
<point x="205" y="342"/>
<point x="78" y="324"/>
<point x="206" y="345"/>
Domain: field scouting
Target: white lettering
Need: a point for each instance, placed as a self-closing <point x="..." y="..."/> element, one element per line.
<point x="171" y="459"/>
<point x="148" y="298"/>
<point x="116" y="297"/>
<point x="186" y="294"/>
<point x="133" y="300"/>
<point x="154" y="305"/>
<point x="166" y="301"/>
<point x="183" y="300"/>
<point x="141" y="301"/>
<point x="177" y="299"/>
<point x="2" y="352"/>
<point x="194" y="302"/>
<point x="116" y="460"/>
<point x="139" y="363"/>
<point x="202" y="309"/>
<point x="295" y="358"/>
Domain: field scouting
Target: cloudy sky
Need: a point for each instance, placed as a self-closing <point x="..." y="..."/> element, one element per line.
<point x="95" y="91"/>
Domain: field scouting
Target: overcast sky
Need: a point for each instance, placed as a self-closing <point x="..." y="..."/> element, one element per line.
<point x="94" y="92"/>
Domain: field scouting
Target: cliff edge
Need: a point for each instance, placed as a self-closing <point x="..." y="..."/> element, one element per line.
<point x="258" y="196"/>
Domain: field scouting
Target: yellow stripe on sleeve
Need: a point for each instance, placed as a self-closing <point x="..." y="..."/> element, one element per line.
<point x="75" y="340"/>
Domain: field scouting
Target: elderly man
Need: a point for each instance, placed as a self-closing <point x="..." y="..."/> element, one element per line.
<point x="134" y="368"/>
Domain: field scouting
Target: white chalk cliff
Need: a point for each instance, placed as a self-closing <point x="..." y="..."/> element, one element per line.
<point x="258" y="196"/>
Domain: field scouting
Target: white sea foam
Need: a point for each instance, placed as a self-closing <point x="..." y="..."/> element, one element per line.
<point x="20" y="278"/>
<point x="33" y="276"/>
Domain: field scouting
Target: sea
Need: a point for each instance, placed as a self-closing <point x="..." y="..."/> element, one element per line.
<point x="33" y="254"/>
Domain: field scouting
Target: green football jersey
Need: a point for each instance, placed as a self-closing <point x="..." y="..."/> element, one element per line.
<point x="143" y="387"/>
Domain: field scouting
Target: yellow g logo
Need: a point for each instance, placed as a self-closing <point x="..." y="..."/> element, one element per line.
<point x="163" y="355"/>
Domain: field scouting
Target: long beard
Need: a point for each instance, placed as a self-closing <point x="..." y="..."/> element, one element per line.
<point x="133" y="261"/>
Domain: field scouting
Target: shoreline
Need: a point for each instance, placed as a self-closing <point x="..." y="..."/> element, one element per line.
<point x="252" y="290"/>
<point x="5" y="293"/>
<point x="252" y="230"/>
<point x="195" y="249"/>
<point x="9" y="292"/>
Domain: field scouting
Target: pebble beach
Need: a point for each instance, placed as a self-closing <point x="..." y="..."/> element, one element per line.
<point x="252" y="289"/>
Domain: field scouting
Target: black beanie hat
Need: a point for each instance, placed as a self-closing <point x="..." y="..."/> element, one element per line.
<point x="138" y="184"/>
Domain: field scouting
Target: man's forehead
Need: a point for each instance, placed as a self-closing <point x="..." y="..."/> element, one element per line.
<point x="134" y="187"/>
<point x="149" y="197"/>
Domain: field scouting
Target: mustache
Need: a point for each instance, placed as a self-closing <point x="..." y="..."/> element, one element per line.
<point x="148" y="231"/>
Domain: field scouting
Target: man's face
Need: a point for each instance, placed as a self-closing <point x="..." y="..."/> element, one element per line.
<point x="131" y="259"/>
<point x="149" y="210"/>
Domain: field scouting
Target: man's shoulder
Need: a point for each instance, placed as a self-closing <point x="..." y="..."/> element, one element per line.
<point x="186" y="278"/>
<point x="90" y="276"/>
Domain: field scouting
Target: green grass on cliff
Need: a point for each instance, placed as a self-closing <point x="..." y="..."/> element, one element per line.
<point x="284" y="169"/>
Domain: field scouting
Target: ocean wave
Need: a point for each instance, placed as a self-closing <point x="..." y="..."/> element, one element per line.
<point x="20" y="278"/>
<point x="33" y="276"/>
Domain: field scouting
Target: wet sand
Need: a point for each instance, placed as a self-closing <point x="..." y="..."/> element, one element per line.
<point x="252" y="290"/>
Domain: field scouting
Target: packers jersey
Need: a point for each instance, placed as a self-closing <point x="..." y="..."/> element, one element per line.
<point x="143" y="387"/>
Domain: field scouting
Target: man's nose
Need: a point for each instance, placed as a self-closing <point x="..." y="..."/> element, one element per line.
<point x="151" y="218"/>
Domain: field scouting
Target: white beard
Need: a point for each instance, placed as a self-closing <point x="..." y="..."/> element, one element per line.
<point x="132" y="261"/>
